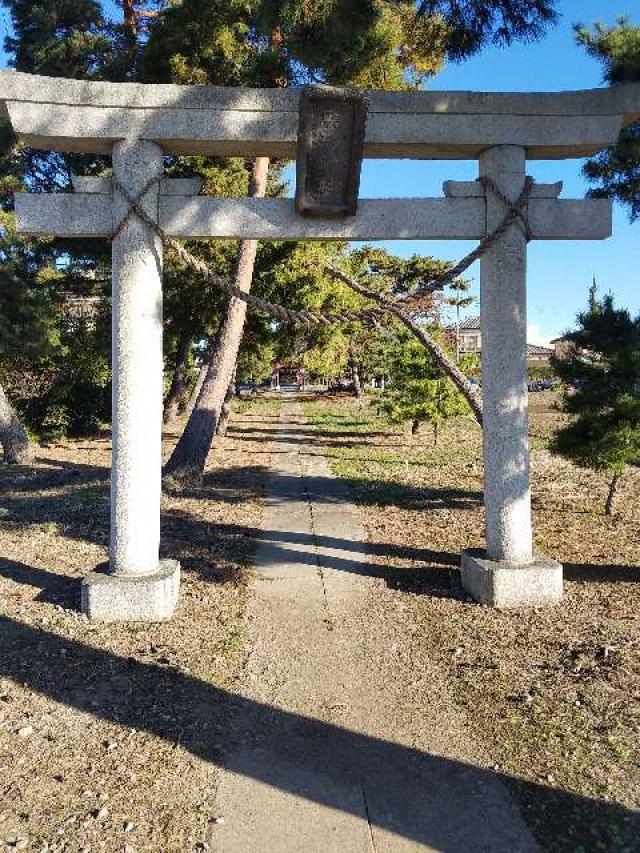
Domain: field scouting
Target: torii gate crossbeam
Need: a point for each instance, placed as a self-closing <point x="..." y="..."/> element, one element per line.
<point x="138" y="124"/>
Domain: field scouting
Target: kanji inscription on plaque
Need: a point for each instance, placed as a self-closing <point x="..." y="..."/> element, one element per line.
<point x="330" y="143"/>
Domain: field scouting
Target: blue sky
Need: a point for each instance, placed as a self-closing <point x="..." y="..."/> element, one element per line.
<point x="559" y="272"/>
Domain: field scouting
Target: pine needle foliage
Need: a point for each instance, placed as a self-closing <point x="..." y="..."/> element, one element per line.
<point x="615" y="172"/>
<point x="473" y="24"/>
<point x="602" y="381"/>
<point x="418" y="392"/>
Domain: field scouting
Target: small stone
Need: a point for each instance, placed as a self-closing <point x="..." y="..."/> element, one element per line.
<point x="100" y="814"/>
<point x="220" y="821"/>
<point x="15" y="842"/>
<point x="129" y="826"/>
<point x="25" y="731"/>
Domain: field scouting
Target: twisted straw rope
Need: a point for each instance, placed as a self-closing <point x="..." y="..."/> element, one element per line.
<point x="515" y="212"/>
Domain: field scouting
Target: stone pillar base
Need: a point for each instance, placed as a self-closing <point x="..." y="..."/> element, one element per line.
<point x="132" y="598"/>
<point x="501" y="584"/>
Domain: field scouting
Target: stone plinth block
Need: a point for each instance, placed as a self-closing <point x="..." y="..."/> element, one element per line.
<point x="502" y="584"/>
<point x="132" y="598"/>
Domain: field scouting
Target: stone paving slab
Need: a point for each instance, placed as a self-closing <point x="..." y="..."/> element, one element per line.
<point x="319" y="760"/>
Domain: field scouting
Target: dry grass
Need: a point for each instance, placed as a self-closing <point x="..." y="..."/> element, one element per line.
<point x="553" y="693"/>
<point x="110" y="735"/>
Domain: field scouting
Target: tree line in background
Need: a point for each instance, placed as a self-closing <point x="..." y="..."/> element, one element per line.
<point x="55" y="375"/>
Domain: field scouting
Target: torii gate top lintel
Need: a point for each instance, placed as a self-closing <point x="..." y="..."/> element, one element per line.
<point x="80" y="116"/>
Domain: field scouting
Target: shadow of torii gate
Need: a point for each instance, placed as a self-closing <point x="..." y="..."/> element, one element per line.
<point x="137" y="124"/>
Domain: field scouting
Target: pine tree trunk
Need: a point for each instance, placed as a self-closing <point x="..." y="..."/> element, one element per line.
<point x="179" y="379"/>
<point x="223" y="423"/>
<point x="13" y="438"/>
<point x="436" y="433"/>
<point x="195" y="393"/>
<point x="190" y="453"/>
<point x="470" y="392"/>
<point x="415" y="427"/>
<point x="610" y="507"/>
<point x="357" y="385"/>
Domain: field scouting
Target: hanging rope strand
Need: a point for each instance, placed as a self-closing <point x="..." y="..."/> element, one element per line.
<point x="515" y="212"/>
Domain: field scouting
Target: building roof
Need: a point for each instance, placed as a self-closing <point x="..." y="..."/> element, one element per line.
<point x="534" y="349"/>
<point x="469" y="324"/>
<point x="472" y="324"/>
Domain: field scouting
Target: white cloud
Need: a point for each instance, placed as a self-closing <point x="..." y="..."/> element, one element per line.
<point x="535" y="336"/>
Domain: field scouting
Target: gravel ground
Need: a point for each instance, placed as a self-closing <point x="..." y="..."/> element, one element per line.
<point x="552" y="694"/>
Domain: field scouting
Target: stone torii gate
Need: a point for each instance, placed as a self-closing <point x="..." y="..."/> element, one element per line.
<point x="137" y="124"/>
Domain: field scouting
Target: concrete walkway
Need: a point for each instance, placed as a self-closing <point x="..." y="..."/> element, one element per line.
<point x="324" y="756"/>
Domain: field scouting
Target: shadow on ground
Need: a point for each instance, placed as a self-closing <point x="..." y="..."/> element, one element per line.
<point x="189" y="711"/>
<point x="50" y="475"/>
<point x="327" y="489"/>
<point x="54" y="588"/>
<point x="76" y="498"/>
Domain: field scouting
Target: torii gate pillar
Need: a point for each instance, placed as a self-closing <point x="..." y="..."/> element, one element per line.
<point x="507" y="573"/>
<point x="138" y="585"/>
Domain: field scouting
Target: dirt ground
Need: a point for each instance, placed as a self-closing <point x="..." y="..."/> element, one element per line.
<point x="552" y="694"/>
<point x="110" y="736"/>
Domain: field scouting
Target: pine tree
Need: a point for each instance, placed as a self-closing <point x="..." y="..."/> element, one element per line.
<point x="473" y="24"/>
<point x="77" y="40"/>
<point x="70" y="39"/>
<point x="459" y="300"/>
<point x="58" y="38"/>
<point x="366" y="42"/>
<point x="419" y="392"/>
<point x="27" y="325"/>
<point x="615" y="172"/>
<point x="602" y="377"/>
<point x="276" y="44"/>
<point x="414" y="278"/>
